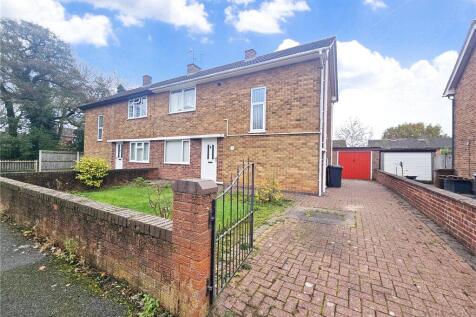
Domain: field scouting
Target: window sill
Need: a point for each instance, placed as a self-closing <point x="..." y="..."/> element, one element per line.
<point x="134" y="118"/>
<point x="99" y="140"/>
<point x="257" y="131"/>
<point x="177" y="163"/>
<point x="140" y="162"/>
<point x="184" y="111"/>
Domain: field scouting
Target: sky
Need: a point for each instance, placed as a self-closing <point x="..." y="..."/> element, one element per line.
<point x="394" y="56"/>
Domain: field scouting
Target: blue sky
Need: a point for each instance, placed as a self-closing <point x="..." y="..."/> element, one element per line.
<point x="417" y="39"/>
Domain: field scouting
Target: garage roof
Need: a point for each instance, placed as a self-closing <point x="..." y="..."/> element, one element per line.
<point x="412" y="144"/>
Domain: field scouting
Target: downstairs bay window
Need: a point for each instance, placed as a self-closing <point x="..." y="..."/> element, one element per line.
<point x="139" y="152"/>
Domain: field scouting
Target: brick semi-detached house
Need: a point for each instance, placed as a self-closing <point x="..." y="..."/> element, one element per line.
<point x="274" y="109"/>
<point x="461" y="88"/>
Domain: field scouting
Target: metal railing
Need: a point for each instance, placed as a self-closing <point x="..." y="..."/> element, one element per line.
<point x="18" y="166"/>
<point x="231" y="223"/>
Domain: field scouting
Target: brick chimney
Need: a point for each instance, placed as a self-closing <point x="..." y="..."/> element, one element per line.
<point x="146" y="80"/>
<point x="249" y="54"/>
<point x="192" y="69"/>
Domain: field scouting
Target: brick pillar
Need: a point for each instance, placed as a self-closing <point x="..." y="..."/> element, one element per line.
<point x="192" y="243"/>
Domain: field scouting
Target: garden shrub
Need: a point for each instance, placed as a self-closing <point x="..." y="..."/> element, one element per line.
<point x="91" y="171"/>
<point x="269" y="191"/>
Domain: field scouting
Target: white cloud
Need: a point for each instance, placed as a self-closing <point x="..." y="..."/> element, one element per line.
<point x="181" y="13"/>
<point x="91" y="29"/>
<point x="287" y="43"/>
<point x="382" y="93"/>
<point x="375" y="4"/>
<point x="244" y="2"/>
<point x="267" y="18"/>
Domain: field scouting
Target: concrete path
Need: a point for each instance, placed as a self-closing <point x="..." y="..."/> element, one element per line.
<point x="32" y="285"/>
<point x="359" y="251"/>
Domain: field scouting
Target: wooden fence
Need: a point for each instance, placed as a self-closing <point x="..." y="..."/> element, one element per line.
<point x="19" y="166"/>
<point x="57" y="160"/>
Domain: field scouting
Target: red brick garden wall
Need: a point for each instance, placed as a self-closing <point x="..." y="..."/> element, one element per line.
<point x="172" y="265"/>
<point x="454" y="212"/>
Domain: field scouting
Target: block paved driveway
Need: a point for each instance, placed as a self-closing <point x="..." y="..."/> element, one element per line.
<point x="389" y="261"/>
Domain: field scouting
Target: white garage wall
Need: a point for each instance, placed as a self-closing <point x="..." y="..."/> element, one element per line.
<point x="414" y="164"/>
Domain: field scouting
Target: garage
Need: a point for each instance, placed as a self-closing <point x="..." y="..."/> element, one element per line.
<point x="417" y="164"/>
<point x="356" y="164"/>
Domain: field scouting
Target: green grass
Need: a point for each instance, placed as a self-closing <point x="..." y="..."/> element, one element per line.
<point x="128" y="196"/>
<point x="137" y="198"/>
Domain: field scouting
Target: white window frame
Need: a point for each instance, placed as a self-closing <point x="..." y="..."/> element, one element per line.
<point x="100" y="128"/>
<point x="130" y="152"/>
<point x="251" y="110"/>
<point x="182" y="90"/>
<point x="181" y="152"/>
<point x="131" y="104"/>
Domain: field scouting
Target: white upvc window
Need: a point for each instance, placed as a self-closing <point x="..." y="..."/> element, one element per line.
<point x="258" y="110"/>
<point x="137" y="108"/>
<point x="139" y="152"/>
<point x="177" y="152"/>
<point x="182" y="100"/>
<point x="100" y="127"/>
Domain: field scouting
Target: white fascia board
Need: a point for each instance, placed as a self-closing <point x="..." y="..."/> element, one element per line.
<point x="181" y="137"/>
<point x="285" y="60"/>
<point x="450" y="86"/>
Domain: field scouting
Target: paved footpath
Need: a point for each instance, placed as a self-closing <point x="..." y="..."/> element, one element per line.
<point x="387" y="261"/>
<point x="31" y="284"/>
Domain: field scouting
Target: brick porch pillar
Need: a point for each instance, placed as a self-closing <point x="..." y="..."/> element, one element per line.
<point x="192" y="243"/>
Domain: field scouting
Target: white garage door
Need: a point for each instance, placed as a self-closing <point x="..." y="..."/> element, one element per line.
<point x="414" y="164"/>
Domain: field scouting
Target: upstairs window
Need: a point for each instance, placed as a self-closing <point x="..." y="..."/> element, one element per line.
<point x="137" y="108"/>
<point x="139" y="152"/>
<point x="100" y="127"/>
<point x="258" y="109"/>
<point x="182" y="100"/>
<point x="177" y="152"/>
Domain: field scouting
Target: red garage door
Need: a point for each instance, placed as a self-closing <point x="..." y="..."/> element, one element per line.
<point x="356" y="165"/>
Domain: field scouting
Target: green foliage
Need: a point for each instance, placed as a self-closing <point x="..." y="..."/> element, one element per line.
<point x="150" y="306"/>
<point x="160" y="203"/>
<point x="269" y="191"/>
<point x="413" y="130"/>
<point x="91" y="171"/>
<point x="139" y="182"/>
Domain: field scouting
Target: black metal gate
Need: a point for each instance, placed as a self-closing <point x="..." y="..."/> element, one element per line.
<point x="231" y="223"/>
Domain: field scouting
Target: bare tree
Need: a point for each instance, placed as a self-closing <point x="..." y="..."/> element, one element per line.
<point x="354" y="132"/>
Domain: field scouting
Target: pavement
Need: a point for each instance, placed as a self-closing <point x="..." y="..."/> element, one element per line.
<point x="359" y="251"/>
<point x="32" y="284"/>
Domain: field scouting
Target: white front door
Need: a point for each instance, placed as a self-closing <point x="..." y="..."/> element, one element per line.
<point x="119" y="155"/>
<point x="209" y="159"/>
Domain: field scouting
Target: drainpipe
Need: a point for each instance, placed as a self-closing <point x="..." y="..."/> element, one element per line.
<point x="324" y="125"/>
<point x="453" y="104"/>
<point x="321" y="106"/>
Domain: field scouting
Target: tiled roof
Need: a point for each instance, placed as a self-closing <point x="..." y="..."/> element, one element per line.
<point x="206" y="72"/>
<point x="413" y="144"/>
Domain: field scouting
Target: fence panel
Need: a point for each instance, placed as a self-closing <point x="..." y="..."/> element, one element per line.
<point x="18" y="166"/>
<point x="442" y="161"/>
<point x="57" y="160"/>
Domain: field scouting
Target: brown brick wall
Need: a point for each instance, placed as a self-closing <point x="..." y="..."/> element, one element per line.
<point x="292" y="160"/>
<point x="172" y="265"/>
<point x="292" y="107"/>
<point x="455" y="213"/>
<point x="465" y="121"/>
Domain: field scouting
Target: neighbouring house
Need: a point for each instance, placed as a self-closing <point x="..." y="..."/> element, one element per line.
<point x="273" y="109"/>
<point x="461" y="89"/>
<point x="410" y="157"/>
<point x="67" y="136"/>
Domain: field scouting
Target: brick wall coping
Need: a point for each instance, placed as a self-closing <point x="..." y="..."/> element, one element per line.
<point x="146" y="224"/>
<point x="446" y="194"/>
<point x="195" y="186"/>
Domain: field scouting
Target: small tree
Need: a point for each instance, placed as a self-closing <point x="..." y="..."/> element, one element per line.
<point x="354" y="132"/>
<point x="413" y="130"/>
<point x="91" y="171"/>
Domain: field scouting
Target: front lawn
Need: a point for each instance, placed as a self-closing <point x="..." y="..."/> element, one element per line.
<point x="137" y="198"/>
